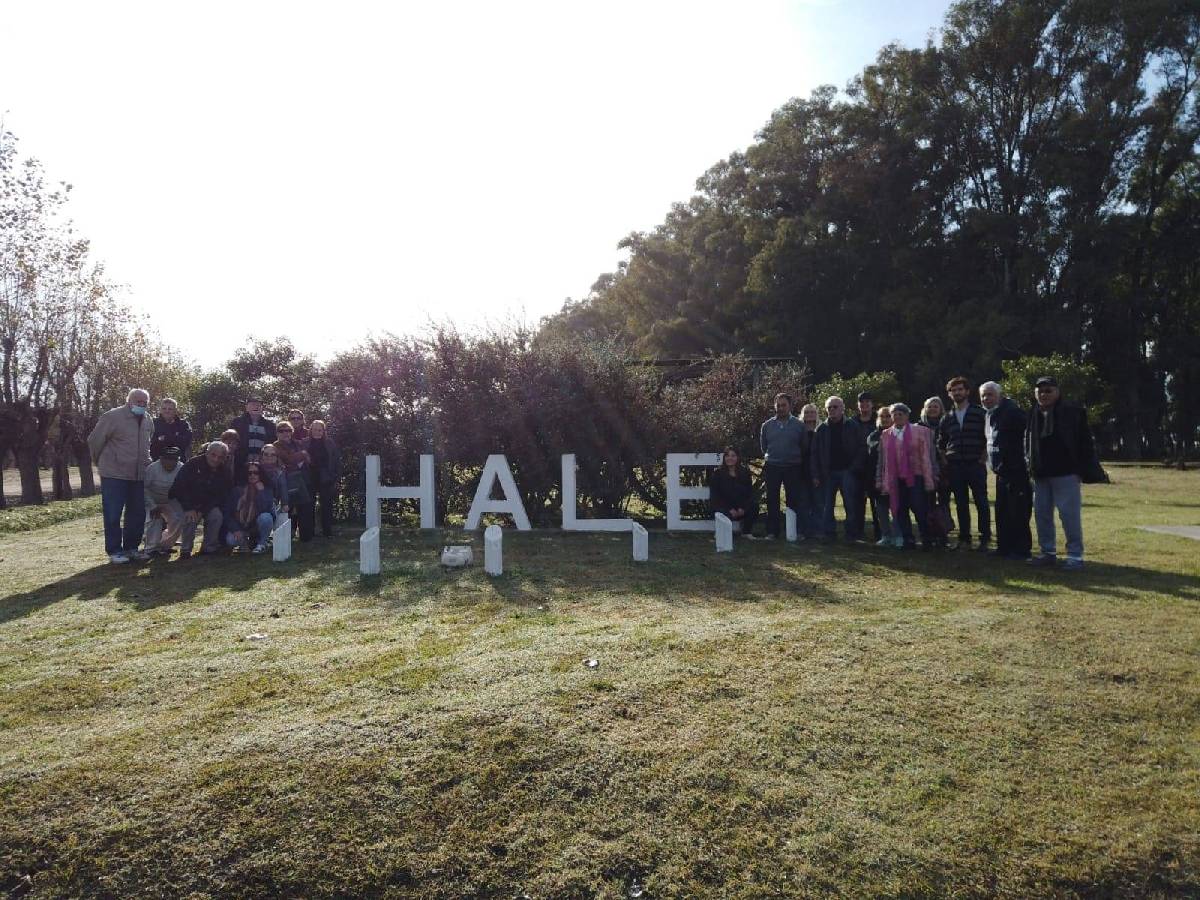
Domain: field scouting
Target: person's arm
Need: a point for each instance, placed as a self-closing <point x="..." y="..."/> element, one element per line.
<point x="99" y="437"/>
<point x="762" y="439"/>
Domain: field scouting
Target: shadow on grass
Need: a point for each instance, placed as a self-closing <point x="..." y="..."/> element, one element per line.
<point x="683" y="570"/>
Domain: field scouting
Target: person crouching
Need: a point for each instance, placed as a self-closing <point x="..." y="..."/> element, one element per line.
<point x="250" y="513"/>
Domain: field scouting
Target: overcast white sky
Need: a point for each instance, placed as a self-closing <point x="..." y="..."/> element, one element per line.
<point x="324" y="170"/>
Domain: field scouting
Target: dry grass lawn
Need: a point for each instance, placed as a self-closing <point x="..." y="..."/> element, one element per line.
<point x="785" y="721"/>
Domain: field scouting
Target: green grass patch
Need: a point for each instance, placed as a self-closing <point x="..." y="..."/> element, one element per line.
<point x="783" y="721"/>
<point x="15" y="519"/>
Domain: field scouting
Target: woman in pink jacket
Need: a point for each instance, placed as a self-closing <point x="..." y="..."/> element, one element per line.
<point x="905" y="475"/>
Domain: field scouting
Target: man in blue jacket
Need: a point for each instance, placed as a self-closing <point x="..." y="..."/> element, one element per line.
<point x="1004" y="432"/>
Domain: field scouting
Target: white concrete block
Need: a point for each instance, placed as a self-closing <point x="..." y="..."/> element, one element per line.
<point x="789" y="518"/>
<point x="493" y="550"/>
<point x="724" y="529"/>
<point x="676" y="492"/>
<point x="641" y="543"/>
<point x="423" y="493"/>
<point x="496" y="469"/>
<point x="281" y="541"/>
<point x="368" y="553"/>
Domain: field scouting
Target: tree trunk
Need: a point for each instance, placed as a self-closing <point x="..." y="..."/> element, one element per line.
<point x="3" y="498"/>
<point x="34" y="427"/>
<point x="61" y="449"/>
<point x="31" y="477"/>
<point x="83" y="458"/>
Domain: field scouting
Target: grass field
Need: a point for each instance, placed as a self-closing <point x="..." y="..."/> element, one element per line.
<point x="783" y="721"/>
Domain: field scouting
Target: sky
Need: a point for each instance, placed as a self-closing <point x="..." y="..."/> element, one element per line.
<point x="327" y="171"/>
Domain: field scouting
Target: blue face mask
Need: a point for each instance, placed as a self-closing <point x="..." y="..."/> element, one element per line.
<point x="138" y="410"/>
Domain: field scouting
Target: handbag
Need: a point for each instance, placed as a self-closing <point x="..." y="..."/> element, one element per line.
<point x="298" y="494"/>
<point x="939" y="520"/>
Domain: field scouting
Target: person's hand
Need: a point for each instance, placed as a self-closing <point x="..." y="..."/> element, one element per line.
<point x="193" y="516"/>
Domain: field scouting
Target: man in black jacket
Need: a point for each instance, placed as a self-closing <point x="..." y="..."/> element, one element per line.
<point x="198" y="494"/>
<point x="838" y="448"/>
<point x="1060" y="453"/>
<point x="254" y="431"/>
<point x="963" y="444"/>
<point x="170" y="431"/>
<point x="1004" y="430"/>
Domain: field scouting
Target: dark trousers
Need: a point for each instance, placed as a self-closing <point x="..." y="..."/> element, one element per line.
<point x="861" y="498"/>
<point x="117" y="496"/>
<point x="748" y="519"/>
<point x="789" y="478"/>
<point x="912" y="499"/>
<point x="1014" y="505"/>
<point x="302" y="515"/>
<point x="326" y="494"/>
<point x="968" y="477"/>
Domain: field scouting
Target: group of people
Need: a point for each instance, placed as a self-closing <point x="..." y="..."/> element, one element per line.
<point x="241" y="488"/>
<point x="909" y="471"/>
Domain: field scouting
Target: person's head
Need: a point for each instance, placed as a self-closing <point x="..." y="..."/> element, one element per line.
<point x="783" y="405"/>
<point x="958" y="390"/>
<point x="254" y="408"/>
<point x="169" y="458"/>
<point x="730" y="458"/>
<point x="253" y="475"/>
<point x="316" y="429"/>
<point x="900" y="414"/>
<point x="933" y="409"/>
<point x="810" y="416"/>
<point x="230" y="438"/>
<point x="296" y="417"/>
<point x="137" y="400"/>
<point x="866" y="406"/>
<point x="884" y="417"/>
<point x="990" y="394"/>
<point x="284" y="432"/>
<point x="168" y="409"/>
<point x="268" y="457"/>
<point x="835" y="409"/>
<point x="216" y="453"/>
<point x="1046" y="392"/>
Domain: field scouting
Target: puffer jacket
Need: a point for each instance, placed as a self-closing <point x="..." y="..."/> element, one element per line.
<point x="120" y="444"/>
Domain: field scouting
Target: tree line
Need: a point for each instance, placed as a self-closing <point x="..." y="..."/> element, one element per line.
<point x="1027" y="186"/>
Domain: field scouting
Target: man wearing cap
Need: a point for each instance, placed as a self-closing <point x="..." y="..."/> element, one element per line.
<point x="865" y="476"/>
<point x="161" y="526"/>
<point x="1004" y="435"/>
<point x="120" y="447"/>
<point x="1061" y="454"/>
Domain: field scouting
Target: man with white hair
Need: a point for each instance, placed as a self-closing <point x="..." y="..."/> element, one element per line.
<point x="120" y="447"/>
<point x="1004" y="427"/>
<point x="198" y="494"/>
<point x="838" y="450"/>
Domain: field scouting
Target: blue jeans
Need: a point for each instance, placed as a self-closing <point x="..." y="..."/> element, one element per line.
<point x="256" y="533"/>
<point x="1062" y="493"/>
<point x="117" y="496"/>
<point x="808" y="509"/>
<point x="845" y="482"/>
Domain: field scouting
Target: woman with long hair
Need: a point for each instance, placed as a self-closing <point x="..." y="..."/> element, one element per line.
<point x="731" y="491"/>
<point x="249" y="514"/>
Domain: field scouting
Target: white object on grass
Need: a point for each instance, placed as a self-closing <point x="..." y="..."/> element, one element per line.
<point x="423" y="492"/>
<point x="496" y="469"/>
<point x="368" y="552"/>
<point x="281" y="541"/>
<point x="570" y="512"/>
<point x="724" y="529"/>
<point x="456" y="556"/>
<point x="493" y="550"/>
<point x="789" y="516"/>
<point x="676" y="492"/>
<point x="641" y="543"/>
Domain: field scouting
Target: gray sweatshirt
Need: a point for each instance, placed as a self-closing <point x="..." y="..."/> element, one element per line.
<point x="158" y="482"/>
<point x="780" y="441"/>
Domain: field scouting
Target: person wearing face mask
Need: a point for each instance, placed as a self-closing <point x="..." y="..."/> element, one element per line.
<point x="120" y="447"/>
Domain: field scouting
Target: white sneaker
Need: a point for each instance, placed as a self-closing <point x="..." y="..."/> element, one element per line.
<point x="118" y="557"/>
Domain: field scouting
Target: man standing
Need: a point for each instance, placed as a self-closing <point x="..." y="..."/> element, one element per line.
<point x="170" y="431"/>
<point x="198" y="495"/>
<point x="160" y="475"/>
<point x="864" y="477"/>
<point x="838" y="451"/>
<point x="254" y="431"/>
<point x="1004" y="432"/>
<point x="1061" y="454"/>
<point x="780" y="439"/>
<point x="120" y="446"/>
<point x="963" y="443"/>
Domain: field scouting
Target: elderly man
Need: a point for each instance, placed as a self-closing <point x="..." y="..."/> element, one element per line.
<point x="170" y="431"/>
<point x="1004" y="434"/>
<point x="839" y="449"/>
<point x="161" y="526"/>
<point x="120" y="447"/>
<point x="198" y="495"/>
<point x="1061" y="455"/>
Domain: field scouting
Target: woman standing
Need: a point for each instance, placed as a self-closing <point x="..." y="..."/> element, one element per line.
<point x="906" y="475"/>
<point x="325" y="465"/>
<point x="939" y="512"/>
<point x="879" y="502"/>
<point x="293" y="459"/>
